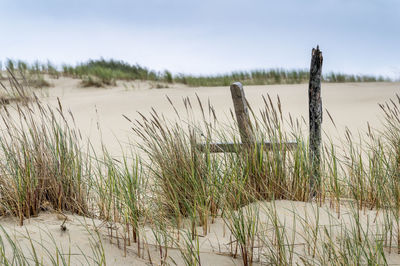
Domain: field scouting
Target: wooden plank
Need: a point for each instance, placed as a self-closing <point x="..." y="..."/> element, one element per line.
<point x="234" y="147"/>
<point x="315" y="120"/>
<point x="242" y="113"/>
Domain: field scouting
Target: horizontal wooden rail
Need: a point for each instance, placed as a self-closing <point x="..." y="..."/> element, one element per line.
<point x="235" y="147"/>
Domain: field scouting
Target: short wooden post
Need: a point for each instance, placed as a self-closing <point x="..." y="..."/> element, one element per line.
<point x="245" y="129"/>
<point x="315" y="120"/>
<point x="242" y="113"/>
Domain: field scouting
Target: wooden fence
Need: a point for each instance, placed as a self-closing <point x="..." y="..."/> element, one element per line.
<point x="315" y="120"/>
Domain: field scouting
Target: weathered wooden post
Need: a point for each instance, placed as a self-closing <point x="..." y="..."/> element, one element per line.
<point x="245" y="129"/>
<point x="242" y="113"/>
<point x="315" y="120"/>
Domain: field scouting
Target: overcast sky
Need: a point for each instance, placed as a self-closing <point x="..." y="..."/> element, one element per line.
<point x="206" y="36"/>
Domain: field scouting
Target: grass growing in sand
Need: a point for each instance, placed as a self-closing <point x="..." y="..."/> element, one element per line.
<point x="22" y="249"/>
<point x="30" y="75"/>
<point x="354" y="220"/>
<point x="178" y="205"/>
<point x="107" y="71"/>
<point x="103" y="73"/>
<point x="42" y="166"/>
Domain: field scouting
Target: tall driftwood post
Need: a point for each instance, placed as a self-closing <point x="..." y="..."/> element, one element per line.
<point x="315" y="120"/>
<point x="242" y="113"/>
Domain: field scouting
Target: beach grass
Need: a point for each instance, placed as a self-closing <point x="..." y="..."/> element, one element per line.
<point x="104" y="73"/>
<point x="119" y="70"/>
<point x="43" y="165"/>
<point x="172" y="194"/>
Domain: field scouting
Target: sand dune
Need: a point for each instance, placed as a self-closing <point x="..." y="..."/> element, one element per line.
<point x="99" y="116"/>
<point x="215" y="247"/>
<point x="351" y="105"/>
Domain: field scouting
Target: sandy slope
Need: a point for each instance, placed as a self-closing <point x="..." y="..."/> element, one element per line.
<point x="214" y="246"/>
<point x="80" y="239"/>
<point x="349" y="104"/>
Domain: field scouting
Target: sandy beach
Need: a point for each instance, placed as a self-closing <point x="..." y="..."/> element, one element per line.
<point x="199" y="133"/>
<point x="351" y="105"/>
<point x="98" y="113"/>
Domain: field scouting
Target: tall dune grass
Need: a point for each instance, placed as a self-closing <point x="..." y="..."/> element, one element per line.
<point x="42" y="163"/>
<point x="161" y="198"/>
<point x="186" y="182"/>
<point x="364" y="172"/>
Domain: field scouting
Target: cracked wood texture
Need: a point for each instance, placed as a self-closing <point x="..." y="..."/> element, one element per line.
<point x="315" y="120"/>
<point x="242" y="113"/>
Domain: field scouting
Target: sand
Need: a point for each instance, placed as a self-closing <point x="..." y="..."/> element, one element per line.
<point x="79" y="240"/>
<point x="215" y="247"/>
<point x="351" y="105"/>
<point x="99" y="115"/>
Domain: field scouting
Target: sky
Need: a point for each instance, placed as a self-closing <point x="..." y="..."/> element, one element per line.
<point x="207" y="36"/>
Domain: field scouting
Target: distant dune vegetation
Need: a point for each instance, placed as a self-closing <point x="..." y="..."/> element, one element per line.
<point x="99" y="73"/>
